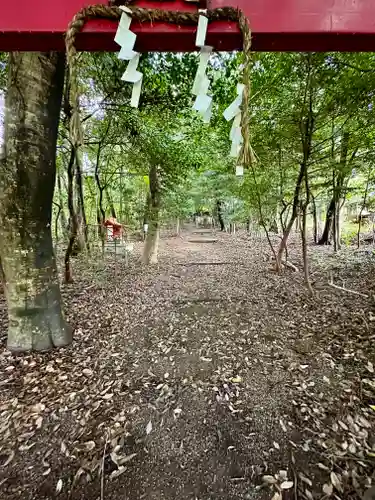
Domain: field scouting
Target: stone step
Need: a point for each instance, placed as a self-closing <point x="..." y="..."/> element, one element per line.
<point x="202" y="240"/>
<point x="202" y="231"/>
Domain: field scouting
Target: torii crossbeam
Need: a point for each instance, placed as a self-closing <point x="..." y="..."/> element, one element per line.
<point x="277" y="25"/>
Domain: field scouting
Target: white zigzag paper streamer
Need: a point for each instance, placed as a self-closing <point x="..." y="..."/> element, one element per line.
<point x="126" y="39"/>
<point x="239" y="171"/>
<point x="203" y="102"/>
<point x="233" y="112"/>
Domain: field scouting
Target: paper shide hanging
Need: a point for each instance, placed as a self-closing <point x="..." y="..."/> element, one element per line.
<point x="233" y="112"/>
<point x="240" y="134"/>
<point x="203" y="101"/>
<point x="126" y="39"/>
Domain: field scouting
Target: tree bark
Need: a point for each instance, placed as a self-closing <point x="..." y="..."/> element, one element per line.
<point x="110" y="203"/>
<point x="100" y="211"/>
<point x="150" y="252"/>
<point x="304" y="229"/>
<point x="59" y="209"/>
<point x="306" y="126"/>
<point x="82" y="240"/>
<point x="63" y="220"/>
<point x="294" y="214"/>
<point x="219" y="205"/>
<point x="338" y="189"/>
<point x="324" y="240"/>
<point x="178" y="226"/>
<point x="315" y="219"/>
<point x="363" y="207"/>
<point x="146" y="216"/>
<point x="27" y="179"/>
<point x="73" y="218"/>
<point x="337" y="228"/>
<point x="304" y="249"/>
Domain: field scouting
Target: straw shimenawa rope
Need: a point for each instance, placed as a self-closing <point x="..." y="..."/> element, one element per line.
<point x="113" y="13"/>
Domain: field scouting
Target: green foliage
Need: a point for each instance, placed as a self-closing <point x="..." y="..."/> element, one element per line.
<point x="3" y="70"/>
<point x="334" y="90"/>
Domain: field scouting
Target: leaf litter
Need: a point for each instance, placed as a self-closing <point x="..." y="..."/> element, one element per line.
<point x="188" y="381"/>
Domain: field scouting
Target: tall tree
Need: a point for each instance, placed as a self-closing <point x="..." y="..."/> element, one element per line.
<point x="27" y="179"/>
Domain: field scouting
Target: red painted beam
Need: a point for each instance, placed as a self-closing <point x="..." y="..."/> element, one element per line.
<point x="276" y="24"/>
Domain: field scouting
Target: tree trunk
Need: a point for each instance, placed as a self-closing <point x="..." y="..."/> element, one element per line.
<point x="332" y="218"/>
<point x="363" y="207"/>
<point x="315" y="219"/>
<point x="178" y="226"/>
<point x="73" y="218"/>
<point x="219" y="205"/>
<point x="334" y="225"/>
<point x="63" y="221"/>
<point x="82" y="240"/>
<point x="324" y="240"/>
<point x="150" y="252"/>
<point x="146" y="216"/>
<point x="57" y="218"/>
<point x="304" y="225"/>
<point x="306" y="129"/>
<point x="273" y="227"/>
<point x="337" y="227"/>
<point x="27" y="179"/>
<point x="110" y="203"/>
<point x="100" y="211"/>
<point x="294" y="214"/>
<point x="232" y="228"/>
<point x="304" y="249"/>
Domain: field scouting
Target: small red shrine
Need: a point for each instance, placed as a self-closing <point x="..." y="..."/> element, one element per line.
<point x="114" y="229"/>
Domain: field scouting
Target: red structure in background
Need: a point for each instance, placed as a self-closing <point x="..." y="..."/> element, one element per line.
<point x="114" y="229"/>
<point x="297" y="25"/>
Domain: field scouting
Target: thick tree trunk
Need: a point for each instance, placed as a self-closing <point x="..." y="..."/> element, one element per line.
<point x="80" y="241"/>
<point x="324" y="240"/>
<point x="27" y="179"/>
<point x="150" y="252"/>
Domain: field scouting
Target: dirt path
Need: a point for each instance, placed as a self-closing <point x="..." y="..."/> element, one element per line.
<point x="191" y="381"/>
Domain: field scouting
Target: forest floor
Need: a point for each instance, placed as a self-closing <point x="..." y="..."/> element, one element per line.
<point x="190" y="380"/>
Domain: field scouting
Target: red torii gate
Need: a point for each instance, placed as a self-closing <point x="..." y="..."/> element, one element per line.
<point x="277" y="25"/>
